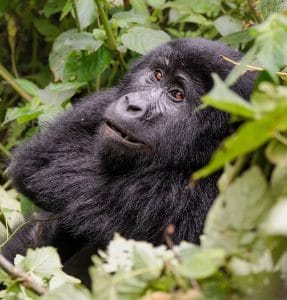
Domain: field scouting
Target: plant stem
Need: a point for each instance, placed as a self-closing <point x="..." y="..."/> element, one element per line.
<point x="252" y="6"/>
<point x="104" y="19"/>
<point x="78" y="24"/>
<point x="98" y="83"/>
<point x="123" y="63"/>
<point x="11" y="81"/>
<point x="113" y="74"/>
<point x="4" y="150"/>
<point x="111" y="42"/>
<point x="26" y="279"/>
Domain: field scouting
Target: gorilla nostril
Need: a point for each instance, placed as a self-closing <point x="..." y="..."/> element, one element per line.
<point x="133" y="108"/>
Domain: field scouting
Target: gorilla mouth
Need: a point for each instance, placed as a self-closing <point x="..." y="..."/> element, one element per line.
<point x="127" y="138"/>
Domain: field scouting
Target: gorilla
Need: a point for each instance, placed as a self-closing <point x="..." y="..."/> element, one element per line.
<point x="120" y="160"/>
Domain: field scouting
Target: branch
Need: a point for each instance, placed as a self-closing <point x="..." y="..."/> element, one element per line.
<point x="11" y="81"/>
<point x="104" y="20"/>
<point x="249" y="67"/>
<point x="24" y="278"/>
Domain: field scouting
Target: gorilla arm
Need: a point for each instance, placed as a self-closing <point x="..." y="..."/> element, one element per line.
<point x="48" y="169"/>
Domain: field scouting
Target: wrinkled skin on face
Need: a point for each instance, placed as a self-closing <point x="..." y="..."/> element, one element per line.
<point x="121" y="159"/>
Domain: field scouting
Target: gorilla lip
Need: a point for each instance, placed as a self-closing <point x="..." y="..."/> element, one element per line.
<point x="123" y="135"/>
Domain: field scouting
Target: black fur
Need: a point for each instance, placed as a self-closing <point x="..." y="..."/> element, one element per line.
<point x="90" y="184"/>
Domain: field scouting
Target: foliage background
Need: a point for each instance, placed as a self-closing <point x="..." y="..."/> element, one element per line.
<point x="53" y="52"/>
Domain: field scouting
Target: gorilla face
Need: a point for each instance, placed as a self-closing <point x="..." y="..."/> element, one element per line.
<point x="157" y="115"/>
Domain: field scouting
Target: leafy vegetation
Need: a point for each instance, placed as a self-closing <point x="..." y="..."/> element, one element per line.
<point x="54" y="50"/>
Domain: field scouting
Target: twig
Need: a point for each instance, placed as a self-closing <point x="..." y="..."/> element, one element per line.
<point x="168" y="233"/>
<point x="249" y="67"/>
<point x="6" y="185"/>
<point x="24" y="278"/>
<point x="11" y="81"/>
<point x="282" y="139"/>
<point x="252" y="6"/>
<point x="78" y="24"/>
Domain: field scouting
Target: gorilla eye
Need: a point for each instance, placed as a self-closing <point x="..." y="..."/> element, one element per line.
<point x="177" y="95"/>
<point x="157" y="75"/>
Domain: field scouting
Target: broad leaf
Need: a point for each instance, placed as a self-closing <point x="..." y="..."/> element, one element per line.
<point x="68" y="291"/>
<point x="248" y="137"/>
<point x="223" y="98"/>
<point x="142" y="40"/>
<point x="227" y="24"/>
<point x="83" y="66"/>
<point x="87" y="12"/>
<point x="66" y="43"/>
<point x="234" y="217"/>
<point x="43" y="262"/>
<point x="30" y="87"/>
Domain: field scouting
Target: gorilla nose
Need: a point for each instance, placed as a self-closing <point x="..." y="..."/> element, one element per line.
<point x="132" y="105"/>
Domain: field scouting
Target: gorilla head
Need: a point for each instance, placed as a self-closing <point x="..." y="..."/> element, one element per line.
<point x="156" y="116"/>
<point x="120" y="160"/>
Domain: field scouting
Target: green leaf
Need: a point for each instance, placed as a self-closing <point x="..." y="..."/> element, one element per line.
<point x="4" y="234"/>
<point x="208" y="7"/>
<point x="271" y="43"/>
<point x="139" y="6"/>
<point x="194" y="18"/>
<point x="236" y="38"/>
<point x="57" y="93"/>
<point x="27" y="206"/>
<point x="53" y="6"/>
<point x="124" y="18"/>
<point x="43" y="262"/>
<point x="276" y="152"/>
<point x="237" y="71"/>
<point x="50" y="31"/>
<point x="227" y="24"/>
<point x="247" y="138"/>
<point x="156" y="3"/>
<point x="83" y="66"/>
<point x="30" y="87"/>
<point x="237" y="212"/>
<point x="199" y="263"/>
<point x="50" y="112"/>
<point x="3" y="6"/>
<point x="24" y="114"/>
<point x="102" y="284"/>
<point x="87" y="12"/>
<point x="276" y="223"/>
<point x="68" y="291"/>
<point x="145" y="258"/>
<point x="278" y="180"/>
<point x="67" y="42"/>
<point x="142" y="40"/>
<point x="66" y="9"/>
<point x="59" y="278"/>
<point x="222" y="98"/>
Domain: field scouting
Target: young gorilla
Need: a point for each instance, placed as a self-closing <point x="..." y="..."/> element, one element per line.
<point x="120" y="161"/>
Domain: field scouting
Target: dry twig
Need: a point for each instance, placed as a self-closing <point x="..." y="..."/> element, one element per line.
<point x="24" y="278"/>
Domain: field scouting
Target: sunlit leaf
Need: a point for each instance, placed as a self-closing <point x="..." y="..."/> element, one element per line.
<point x="142" y="40"/>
